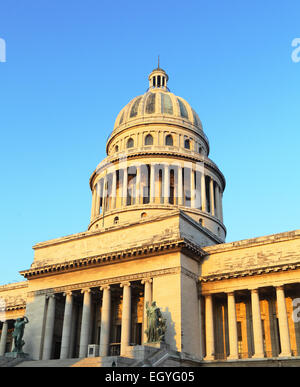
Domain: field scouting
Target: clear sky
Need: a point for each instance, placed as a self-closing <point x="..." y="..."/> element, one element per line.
<point x="71" y="65"/>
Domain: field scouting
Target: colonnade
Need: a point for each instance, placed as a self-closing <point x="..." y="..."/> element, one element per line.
<point x="257" y="332"/>
<point x="158" y="184"/>
<point x="86" y="320"/>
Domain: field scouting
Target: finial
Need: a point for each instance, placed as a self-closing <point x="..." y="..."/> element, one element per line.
<point x="158" y="62"/>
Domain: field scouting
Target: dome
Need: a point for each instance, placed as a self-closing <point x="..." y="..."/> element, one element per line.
<point x="158" y="104"/>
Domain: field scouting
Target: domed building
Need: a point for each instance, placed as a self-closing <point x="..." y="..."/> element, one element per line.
<point x="156" y="238"/>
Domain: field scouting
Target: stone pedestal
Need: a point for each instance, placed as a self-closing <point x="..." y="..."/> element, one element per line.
<point x="17" y="355"/>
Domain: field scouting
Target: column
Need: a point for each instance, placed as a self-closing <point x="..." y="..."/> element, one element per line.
<point x="221" y="206"/>
<point x="283" y="323"/>
<point x="180" y="186"/>
<point x="257" y="325"/>
<point x="114" y="190"/>
<point x="50" y="319"/>
<point x="232" y="327"/>
<point x="166" y="184"/>
<point x="3" y="338"/>
<point x="85" y="322"/>
<point x="66" y="332"/>
<point x="126" y="317"/>
<point x="147" y="298"/>
<point x="96" y="193"/>
<point x="212" y="197"/>
<point x="138" y="185"/>
<point x="93" y="204"/>
<point x="209" y="328"/>
<point x="105" y="321"/>
<point x="217" y="202"/>
<point x="192" y="188"/>
<point x="125" y="183"/>
<point x="152" y="183"/>
<point x="203" y="192"/>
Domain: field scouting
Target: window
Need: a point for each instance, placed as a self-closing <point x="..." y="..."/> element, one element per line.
<point x="143" y="215"/>
<point x="116" y="220"/>
<point x="187" y="144"/>
<point x="166" y="104"/>
<point x="130" y="143"/>
<point x="169" y="140"/>
<point x="135" y="106"/>
<point x="183" y="111"/>
<point x="148" y="140"/>
<point x="150" y="103"/>
<point x="116" y="148"/>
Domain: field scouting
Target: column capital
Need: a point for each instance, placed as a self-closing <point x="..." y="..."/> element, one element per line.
<point x="125" y="284"/>
<point x="145" y="280"/>
<point x="68" y="293"/>
<point x="84" y="290"/>
<point x="105" y="287"/>
<point x="48" y="296"/>
<point x="254" y="290"/>
<point x="279" y="287"/>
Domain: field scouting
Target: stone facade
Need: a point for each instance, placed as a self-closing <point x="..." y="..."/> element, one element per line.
<point x="156" y="232"/>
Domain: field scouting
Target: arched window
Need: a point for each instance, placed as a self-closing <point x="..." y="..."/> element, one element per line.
<point x="187" y="144"/>
<point x="116" y="220"/>
<point x="130" y="143"/>
<point x="148" y="140"/>
<point x="143" y="215"/>
<point x="169" y="140"/>
<point x="116" y="148"/>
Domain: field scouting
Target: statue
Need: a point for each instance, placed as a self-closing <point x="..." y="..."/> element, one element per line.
<point x="18" y="334"/>
<point x="156" y="324"/>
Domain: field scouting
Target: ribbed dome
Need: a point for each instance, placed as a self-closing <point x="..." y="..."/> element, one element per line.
<point x="157" y="104"/>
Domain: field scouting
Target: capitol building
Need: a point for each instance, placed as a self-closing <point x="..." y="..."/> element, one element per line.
<point x="156" y="233"/>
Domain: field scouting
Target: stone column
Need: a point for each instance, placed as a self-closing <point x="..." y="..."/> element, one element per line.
<point x="3" y="338"/>
<point x="93" y="204"/>
<point x="97" y="198"/>
<point x="50" y="319"/>
<point x="66" y="332"/>
<point x="209" y="328"/>
<point x="138" y="185"/>
<point x="147" y="298"/>
<point x="85" y="322"/>
<point x="257" y="325"/>
<point x="152" y="183"/>
<point x="283" y="323"/>
<point x="105" y="321"/>
<point x="232" y="327"/>
<point x="212" y="197"/>
<point x="126" y="317"/>
<point x="180" y="186"/>
<point x="203" y="192"/>
<point x="192" y="188"/>
<point x="166" y="184"/>
<point x="221" y="206"/>
<point x="125" y="183"/>
<point x="217" y="202"/>
<point x="114" y="190"/>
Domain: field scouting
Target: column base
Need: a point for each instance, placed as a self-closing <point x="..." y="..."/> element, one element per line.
<point x="288" y="354"/>
<point x="233" y="357"/>
<point x="258" y="356"/>
<point x="209" y="358"/>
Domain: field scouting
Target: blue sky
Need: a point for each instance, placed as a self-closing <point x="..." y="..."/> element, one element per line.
<point x="72" y="65"/>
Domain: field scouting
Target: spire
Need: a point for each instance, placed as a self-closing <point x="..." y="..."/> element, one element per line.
<point x="158" y="62"/>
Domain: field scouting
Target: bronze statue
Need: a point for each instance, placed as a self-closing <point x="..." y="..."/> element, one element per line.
<point x="18" y="334"/>
<point x="156" y="324"/>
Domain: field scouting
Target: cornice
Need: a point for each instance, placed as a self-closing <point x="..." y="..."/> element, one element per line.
<point x="149" y="275"/>
<point x="249" y="272"/>
<point x="252" y="242"/>
<point x="189" y="248"/>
